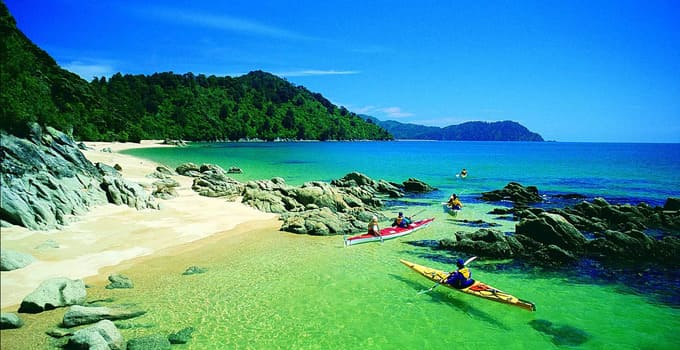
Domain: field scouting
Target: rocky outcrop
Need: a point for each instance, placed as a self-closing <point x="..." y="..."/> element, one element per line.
<point x="12" y="260"/>
<point x="46" y="179"/>
<point x="342" y="206"/>
<point x="54" y="293"/>
<point x="102" y="335"/>
<point x="515" y="193"/>
<point x="78" y="315"/>
<point x="597" y="230"/>
<point x="10" y="320"/>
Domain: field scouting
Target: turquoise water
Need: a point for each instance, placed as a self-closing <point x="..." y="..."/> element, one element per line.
<point x="620" y="172"/>
<point x="280" y="290"/>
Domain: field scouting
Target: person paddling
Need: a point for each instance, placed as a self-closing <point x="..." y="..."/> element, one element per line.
<point x="454" y="203"/>
<point x="373" y="228"/>
<point x="461" y="278"/>
<point x="401" y="221"/>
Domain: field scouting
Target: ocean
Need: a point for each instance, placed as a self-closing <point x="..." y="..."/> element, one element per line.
<point x="303" y="292"/>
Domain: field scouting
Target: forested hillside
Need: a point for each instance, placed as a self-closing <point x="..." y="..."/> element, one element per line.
<point x="163" y="105"/>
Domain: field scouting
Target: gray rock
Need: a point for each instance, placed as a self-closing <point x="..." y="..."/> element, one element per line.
<point x="101" y="336"/>
<point x="10" y="320"/>
<point x="54" y="293"/>
<point x="164" y="170"/>
<point x="149" y="342"/>
<point x="47" y="179"/>
<point x="234" y="170"/>
<point x="77" y="315"/>
<point x="551" y="228"/>
<point x="188" y="168"/>
<point x="12" y="260"/>
<point x="415" y="185"/>
<point x="118" y="281"/>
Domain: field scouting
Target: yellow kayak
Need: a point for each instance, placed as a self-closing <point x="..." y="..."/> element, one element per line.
<point x="477" y="289"/>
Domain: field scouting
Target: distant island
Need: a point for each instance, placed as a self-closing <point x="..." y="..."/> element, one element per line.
<point x="130" y="108"/>
<point x="469" y="131"/>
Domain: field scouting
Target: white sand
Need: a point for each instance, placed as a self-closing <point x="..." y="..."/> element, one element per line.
<point x="109" y="235"/>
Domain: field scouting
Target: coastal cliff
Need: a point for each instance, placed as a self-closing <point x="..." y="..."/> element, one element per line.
<point x="46" y="180"/>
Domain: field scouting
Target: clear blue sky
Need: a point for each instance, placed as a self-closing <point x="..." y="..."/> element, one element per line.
<point x="570" y="70"/>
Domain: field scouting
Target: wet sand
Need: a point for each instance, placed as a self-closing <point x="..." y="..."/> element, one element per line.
<point x="110" y="235"/>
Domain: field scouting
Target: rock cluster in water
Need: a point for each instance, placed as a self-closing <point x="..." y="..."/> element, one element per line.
<point x="45" y="179"/>
<point x="343" y="206"/>
<point x="596" y="229"/>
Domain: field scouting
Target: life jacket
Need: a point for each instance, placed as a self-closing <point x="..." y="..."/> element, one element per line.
<point x="398" y="220"/>
<point x="465" y="272"/>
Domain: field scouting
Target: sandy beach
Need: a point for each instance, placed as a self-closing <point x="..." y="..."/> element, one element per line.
<point x="111" y="235"/>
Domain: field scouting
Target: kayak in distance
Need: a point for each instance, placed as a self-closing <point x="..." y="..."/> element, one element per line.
<point x="388" y="233"/>
<point x="477" y="289"/>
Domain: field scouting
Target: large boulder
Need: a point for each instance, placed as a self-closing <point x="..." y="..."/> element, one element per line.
<point x="321" y="222"/>
<point x="101" y="336"/>
<point x="78" y="315"/>
<point x="54" y="293"/>
<point x="12" y="260"/>
<point x="549" y="228"/>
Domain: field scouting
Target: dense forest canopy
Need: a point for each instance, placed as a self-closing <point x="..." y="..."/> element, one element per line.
<point x="163" y="105"/>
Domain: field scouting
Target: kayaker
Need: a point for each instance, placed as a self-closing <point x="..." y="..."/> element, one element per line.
<point x="463" y="173"/>
<point x="401" y="221"/>
<point x="373" y="228"/>
<point x="454" y="203"/>
<point x="461" y="278"/>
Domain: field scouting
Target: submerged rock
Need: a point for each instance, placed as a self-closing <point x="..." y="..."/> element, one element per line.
<point x="562" y="335"/>
<point x="10" y="320"/>
<point x="118" y="281"/>
<point x="78" y="315"/>
<point x="102" y="335"/>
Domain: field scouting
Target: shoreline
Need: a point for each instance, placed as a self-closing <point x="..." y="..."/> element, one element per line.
<point x="110" y="235"/>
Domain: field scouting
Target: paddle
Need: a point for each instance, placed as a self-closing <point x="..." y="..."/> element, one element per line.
<point x="444" y="279"/>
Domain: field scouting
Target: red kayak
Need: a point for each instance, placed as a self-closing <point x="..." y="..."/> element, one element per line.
<point x="388" y="233"/>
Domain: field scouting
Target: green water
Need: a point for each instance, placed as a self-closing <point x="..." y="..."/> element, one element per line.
<point x="300" y="292"/>
<point x="279" y="290"/>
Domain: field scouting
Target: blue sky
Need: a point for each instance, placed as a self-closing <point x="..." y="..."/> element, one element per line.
<point x="570" y="70"/>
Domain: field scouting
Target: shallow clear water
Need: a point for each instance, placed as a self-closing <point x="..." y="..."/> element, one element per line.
<point x="280" y="290"/>
<point x="310" y="292"/>
<point x="269" y="289"/>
